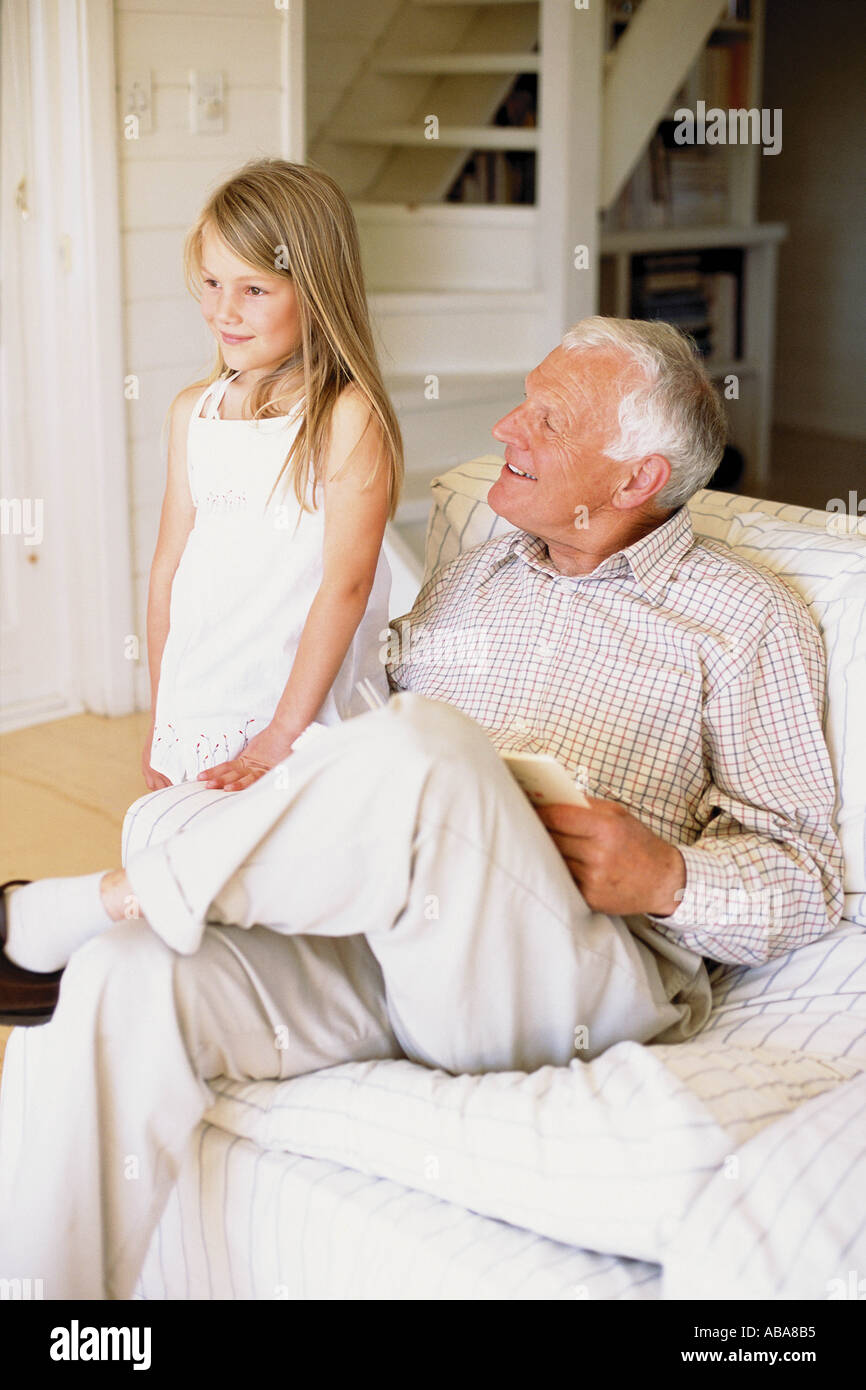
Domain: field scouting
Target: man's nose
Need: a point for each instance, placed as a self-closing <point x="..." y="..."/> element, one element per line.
<point x="508" y="430"/>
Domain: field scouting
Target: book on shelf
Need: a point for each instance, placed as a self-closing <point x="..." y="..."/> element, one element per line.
<point x="675" y="185"/>
<point x="719" y="77"/>
<point x="724" y="312"/>
<point x="505" y="177"/>
<point x="698" y="291"/>
<point x="502" y="176"/>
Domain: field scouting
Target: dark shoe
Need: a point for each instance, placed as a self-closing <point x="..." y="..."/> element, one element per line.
<point x="25" y="996"/>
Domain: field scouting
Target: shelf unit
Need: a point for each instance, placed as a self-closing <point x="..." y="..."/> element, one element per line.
<point x="750" y="413"/>
<point x="750" y="409"/>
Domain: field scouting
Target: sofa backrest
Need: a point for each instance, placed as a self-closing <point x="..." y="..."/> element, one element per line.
<point x="821" y="555"/>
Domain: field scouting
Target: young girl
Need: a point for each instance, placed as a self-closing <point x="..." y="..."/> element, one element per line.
<point x="269" y="589"/>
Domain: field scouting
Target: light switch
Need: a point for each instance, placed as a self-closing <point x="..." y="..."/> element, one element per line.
<point x="206" y="103"/>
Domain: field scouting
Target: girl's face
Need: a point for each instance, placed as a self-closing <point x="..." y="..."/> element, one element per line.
<point x="253" y="314"/>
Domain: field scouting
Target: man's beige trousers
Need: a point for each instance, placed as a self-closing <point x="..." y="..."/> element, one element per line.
<point x="386" y="892"/>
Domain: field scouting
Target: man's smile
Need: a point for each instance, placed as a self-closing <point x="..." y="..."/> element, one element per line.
<point x="519" y="473"/>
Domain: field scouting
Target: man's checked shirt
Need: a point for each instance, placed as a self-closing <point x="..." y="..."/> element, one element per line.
<point x="677" y="679"/>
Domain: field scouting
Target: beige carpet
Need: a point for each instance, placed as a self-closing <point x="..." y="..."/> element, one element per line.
<point x="64" y="788"/>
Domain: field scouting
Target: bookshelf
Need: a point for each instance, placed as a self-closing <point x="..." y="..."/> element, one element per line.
<point x="681" y="241"/>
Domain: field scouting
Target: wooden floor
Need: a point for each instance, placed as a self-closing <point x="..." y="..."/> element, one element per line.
<point x="64" y="788"/>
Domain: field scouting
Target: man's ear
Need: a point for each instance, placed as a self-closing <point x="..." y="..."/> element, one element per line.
<point x="648" y="478"/>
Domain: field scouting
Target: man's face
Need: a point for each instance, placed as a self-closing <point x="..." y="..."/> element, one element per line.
<point x="557" y="436"/>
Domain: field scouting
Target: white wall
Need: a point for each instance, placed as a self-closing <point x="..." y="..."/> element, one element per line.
<point x="814" y="73"/>
<point x="164" y="178"/>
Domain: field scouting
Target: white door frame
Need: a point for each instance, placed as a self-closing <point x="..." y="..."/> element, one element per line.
<point x="572" y="46"/>
<point x="294" y="79"/>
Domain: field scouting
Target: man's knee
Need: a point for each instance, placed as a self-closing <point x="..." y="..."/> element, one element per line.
<point x="437" y="727"/>
<point x="155" y="817"/>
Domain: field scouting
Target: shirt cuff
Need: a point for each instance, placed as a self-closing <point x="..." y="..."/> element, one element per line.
<point x="706" y="898"/>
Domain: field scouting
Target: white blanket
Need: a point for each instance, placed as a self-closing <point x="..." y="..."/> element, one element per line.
<point x="660" y="1154"/>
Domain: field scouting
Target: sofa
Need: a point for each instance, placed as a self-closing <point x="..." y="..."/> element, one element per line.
<point x="730" y="1166"/>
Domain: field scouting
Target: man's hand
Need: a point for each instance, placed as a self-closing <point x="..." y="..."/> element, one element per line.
<point x="618" y="865"/>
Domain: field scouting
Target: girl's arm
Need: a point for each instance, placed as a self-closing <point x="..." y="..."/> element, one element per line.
<point x="175" y="524"/>
<point x="355" y="519"/>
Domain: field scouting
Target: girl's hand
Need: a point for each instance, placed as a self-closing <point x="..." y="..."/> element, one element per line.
<point x="153" y="779"/>
<point x="261" y="754"/>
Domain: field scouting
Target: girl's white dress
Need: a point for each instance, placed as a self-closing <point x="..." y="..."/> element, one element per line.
<point x="241" y="594"/>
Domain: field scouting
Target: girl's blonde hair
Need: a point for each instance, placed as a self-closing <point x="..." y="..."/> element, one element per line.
<point x="294" y="220"/>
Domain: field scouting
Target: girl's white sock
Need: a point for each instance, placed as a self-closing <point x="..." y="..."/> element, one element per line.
<point x="46" y="921"/>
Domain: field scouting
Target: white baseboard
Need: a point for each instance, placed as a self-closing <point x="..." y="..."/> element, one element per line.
<point x="30" y="712"/>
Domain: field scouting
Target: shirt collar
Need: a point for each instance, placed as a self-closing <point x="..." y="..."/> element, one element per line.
<point x="651" y="560"/>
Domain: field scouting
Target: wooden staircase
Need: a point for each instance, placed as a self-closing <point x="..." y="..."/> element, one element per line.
<point x="475" y="295"/>
<point x="455" y="62"/>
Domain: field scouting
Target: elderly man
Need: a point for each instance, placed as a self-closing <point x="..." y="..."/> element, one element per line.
<point x="388" y="891"/>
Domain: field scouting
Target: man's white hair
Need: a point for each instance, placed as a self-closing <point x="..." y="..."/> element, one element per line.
<point x="667" y="405"/>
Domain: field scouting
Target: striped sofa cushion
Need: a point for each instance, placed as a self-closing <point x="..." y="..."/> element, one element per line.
<point x="817" y="553"/>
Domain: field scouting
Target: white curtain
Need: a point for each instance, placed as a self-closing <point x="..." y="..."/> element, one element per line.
<point x="62" y="364"/>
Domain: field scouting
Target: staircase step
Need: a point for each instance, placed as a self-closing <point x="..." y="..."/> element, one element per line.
<point x="406" y="389"/>
<point x="466" y="332"/>
<point x="483" y="137"/>
<point x="440" y="64"/>
<point x="448" y="246"/>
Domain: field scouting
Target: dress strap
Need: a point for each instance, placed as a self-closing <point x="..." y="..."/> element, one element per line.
<point x="214" y="395"/>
